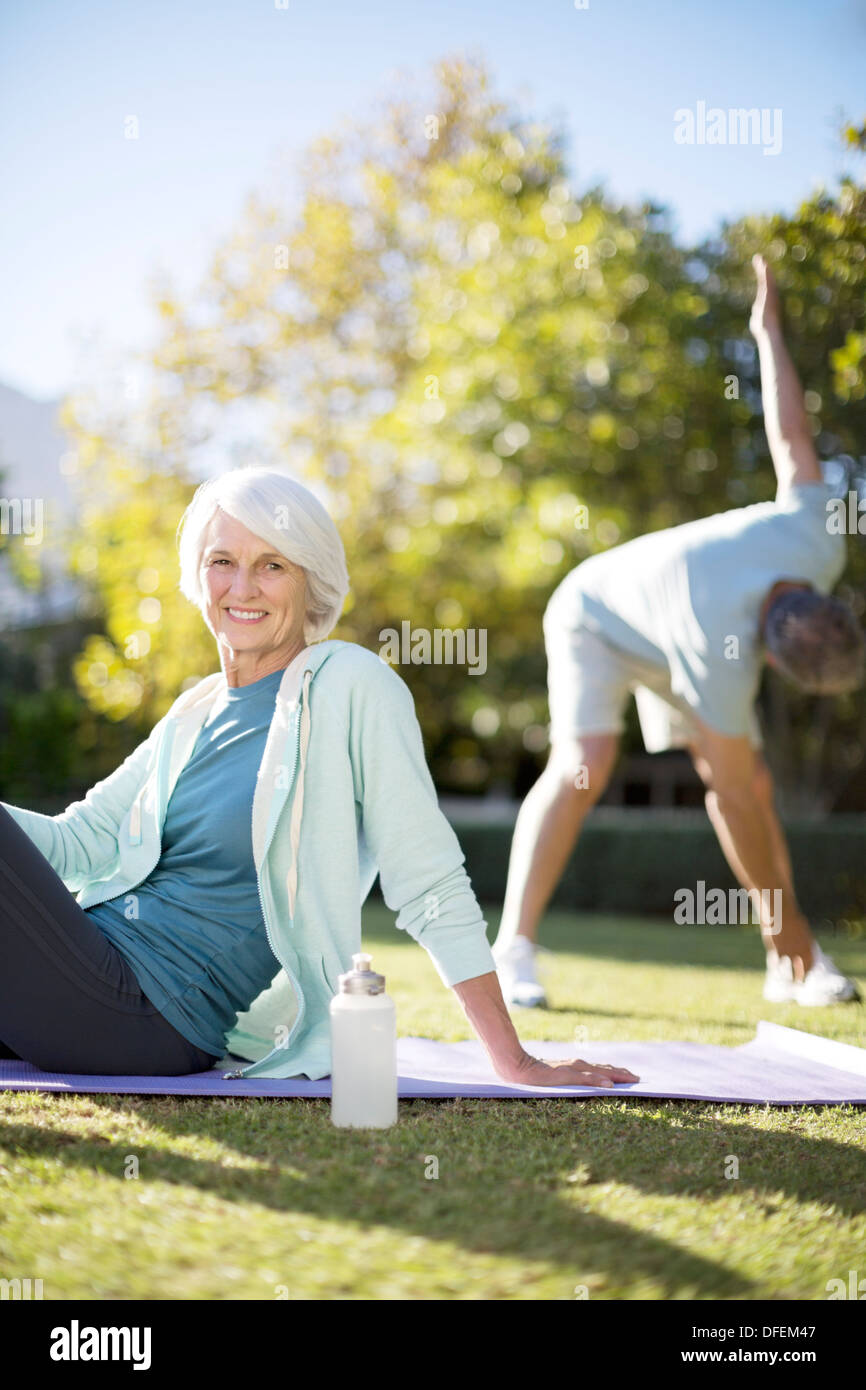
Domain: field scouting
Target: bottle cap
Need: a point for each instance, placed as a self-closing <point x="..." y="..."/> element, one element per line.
<point x="361" y="979"/>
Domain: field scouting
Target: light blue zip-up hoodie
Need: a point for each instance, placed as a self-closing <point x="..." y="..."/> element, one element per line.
<point x="343" y="792"/>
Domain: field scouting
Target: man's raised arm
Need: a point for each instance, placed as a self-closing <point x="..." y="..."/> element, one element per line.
<point x="785" y="418"/>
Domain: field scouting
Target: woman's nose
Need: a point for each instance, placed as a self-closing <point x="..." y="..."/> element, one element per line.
<point x="243" y="581"/>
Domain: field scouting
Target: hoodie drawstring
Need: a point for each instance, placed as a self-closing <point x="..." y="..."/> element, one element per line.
<point x="295" y="828"/>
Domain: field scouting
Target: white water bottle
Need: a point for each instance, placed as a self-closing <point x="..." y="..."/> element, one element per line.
<point x="363" y="1050"/>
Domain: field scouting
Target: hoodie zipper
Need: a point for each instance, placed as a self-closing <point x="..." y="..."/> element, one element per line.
<point x="302" y="1003"/>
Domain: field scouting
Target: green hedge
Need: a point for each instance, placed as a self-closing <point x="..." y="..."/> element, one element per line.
<point x="635" y="860"/>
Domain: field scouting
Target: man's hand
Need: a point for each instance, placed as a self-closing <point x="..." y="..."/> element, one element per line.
<point x="531" y="1071"/>
<point x="791" y="937"/>
<point x="766" y="309"/>
<point x="789" y="432"/>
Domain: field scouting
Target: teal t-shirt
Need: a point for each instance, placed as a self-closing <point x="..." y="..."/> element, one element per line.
<point x="193" y="931"/>
<point x="689" y="598"/>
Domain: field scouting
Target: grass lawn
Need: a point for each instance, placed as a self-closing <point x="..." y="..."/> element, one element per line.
<point x="265" y="1199"/>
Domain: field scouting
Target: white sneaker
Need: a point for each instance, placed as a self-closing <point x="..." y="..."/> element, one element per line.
<point x="824" y="983"/>
<point x="515" y="966"/>
<point x="779" y="980"/>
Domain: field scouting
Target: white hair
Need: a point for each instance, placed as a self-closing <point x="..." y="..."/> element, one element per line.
<point x="294" y="523"/>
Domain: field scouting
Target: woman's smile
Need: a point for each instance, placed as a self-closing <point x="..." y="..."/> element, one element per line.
<point x="247" y="615"/>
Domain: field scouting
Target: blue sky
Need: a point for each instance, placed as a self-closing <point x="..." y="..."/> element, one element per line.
<point x="227" y="92"/>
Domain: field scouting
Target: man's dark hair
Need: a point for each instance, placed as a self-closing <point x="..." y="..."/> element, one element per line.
<point x="816" y="641"/>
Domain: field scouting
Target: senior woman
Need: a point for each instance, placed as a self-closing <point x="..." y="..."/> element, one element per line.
<point x="202" y="900"/>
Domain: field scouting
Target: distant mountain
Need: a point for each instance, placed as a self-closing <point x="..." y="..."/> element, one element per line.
<point x="32" y="445"/>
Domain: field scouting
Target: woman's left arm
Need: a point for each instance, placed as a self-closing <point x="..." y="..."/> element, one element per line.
<point x="423" y="880"/>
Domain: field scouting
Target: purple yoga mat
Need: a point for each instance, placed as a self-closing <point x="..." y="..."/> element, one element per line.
<point x="780" y="1066"/>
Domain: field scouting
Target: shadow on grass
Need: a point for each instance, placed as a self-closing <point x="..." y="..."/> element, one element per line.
<point x="510" y="1178"/>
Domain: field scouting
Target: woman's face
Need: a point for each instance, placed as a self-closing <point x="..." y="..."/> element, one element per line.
<point x="254" y="598"/>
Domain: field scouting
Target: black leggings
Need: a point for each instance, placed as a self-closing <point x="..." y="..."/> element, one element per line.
<point x="69" y="1001"/>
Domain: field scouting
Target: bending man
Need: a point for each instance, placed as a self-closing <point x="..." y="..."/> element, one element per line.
<point x="684" y="618"/>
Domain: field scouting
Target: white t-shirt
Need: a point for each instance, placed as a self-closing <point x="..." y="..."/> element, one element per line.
<point x="689" y="598"/>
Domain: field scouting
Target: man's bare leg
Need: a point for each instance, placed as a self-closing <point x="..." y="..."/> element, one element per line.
<point x="547" y="828"/>
<point x="795" y="938"/>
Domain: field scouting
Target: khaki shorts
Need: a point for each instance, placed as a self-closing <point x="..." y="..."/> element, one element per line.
<point x="589" y="682"/>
